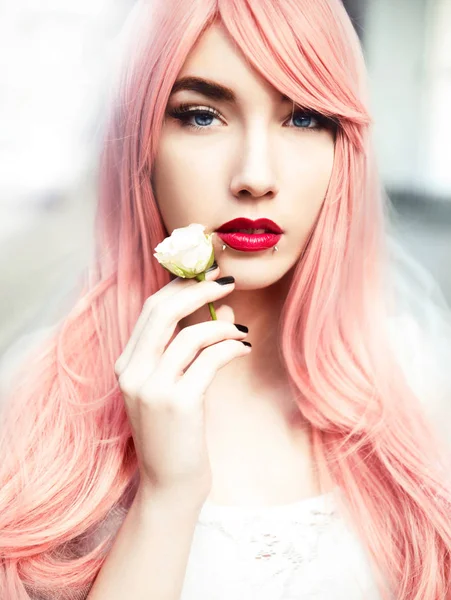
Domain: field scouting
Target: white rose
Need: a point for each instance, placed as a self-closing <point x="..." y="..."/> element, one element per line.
<point x="187" y="252"/>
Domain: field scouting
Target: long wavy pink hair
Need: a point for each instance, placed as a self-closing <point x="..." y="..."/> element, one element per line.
<point x="68" y="469"/>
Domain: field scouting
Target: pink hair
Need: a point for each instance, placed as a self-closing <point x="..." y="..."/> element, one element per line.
<point x="69" y="471"/>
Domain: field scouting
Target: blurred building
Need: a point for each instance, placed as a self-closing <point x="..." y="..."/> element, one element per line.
<point x="51" y="98"/>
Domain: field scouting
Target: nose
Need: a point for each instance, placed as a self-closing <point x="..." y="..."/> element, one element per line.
<point x="255" y="174"/>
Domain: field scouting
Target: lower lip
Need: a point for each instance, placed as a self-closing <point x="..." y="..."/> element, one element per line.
<point x="250" y="242"/>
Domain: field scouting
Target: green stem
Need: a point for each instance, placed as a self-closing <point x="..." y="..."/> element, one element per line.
<point x="201" y="277"/>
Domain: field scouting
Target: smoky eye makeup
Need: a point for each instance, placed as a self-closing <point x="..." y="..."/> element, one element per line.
<point x="186" y="113"/>
<point x="189" y="109"/>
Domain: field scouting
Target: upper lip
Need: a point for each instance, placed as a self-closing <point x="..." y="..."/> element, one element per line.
<point x="244" y="223"/>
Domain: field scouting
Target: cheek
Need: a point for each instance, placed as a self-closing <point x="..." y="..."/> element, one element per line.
<point x="180" y="184"/>
<point x="309" y="183"/>
<point x="314" y="172"/>
<point x="323" y="166"/>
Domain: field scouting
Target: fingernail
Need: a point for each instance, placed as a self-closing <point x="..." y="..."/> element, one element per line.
<point x="242" y="328"/>
<point x="247" y="344"/>
<point x="225" y="280"/>
<point x="213" y="267"/>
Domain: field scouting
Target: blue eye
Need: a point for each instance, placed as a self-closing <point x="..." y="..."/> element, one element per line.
<point x="200" y="117"/>
<point x="302" y="116"/>
<point x="185" y="113"/>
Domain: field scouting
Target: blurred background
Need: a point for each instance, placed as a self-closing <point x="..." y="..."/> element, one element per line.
<point x="54" y="69"/>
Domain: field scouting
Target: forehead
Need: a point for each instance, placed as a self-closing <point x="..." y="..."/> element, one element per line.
<point x="217" y="68"/>
<point x="213" y="44"/>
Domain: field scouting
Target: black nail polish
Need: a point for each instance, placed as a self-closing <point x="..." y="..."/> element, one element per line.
<point x="241" y="328"/>
<point x="247" y="344"/>
<point x="213" y="267"/>
<point x="225" y="280"/>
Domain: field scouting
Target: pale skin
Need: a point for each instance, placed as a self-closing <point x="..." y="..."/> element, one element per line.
<point x="256" y="159"/>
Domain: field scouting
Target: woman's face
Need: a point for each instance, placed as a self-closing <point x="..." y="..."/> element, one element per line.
<point x="252" y="158"/>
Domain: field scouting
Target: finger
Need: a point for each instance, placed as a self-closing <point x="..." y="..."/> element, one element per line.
<point x="189" y="342"/>
<point x="199" y="375"/>
<point x="224" y="312"/>
<point x="173" y="287"/>
<point x="162" y="322"/>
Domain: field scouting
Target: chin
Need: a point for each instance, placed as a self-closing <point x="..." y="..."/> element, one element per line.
<point x="255" y="278"/>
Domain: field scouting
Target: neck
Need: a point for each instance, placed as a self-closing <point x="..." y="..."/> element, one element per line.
<point x="261" y="374"/>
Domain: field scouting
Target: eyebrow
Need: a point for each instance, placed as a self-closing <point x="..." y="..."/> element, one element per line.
<point x="210" y="89"/>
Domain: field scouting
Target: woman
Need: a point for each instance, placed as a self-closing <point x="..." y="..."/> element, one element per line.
<point x="149" y="453"/>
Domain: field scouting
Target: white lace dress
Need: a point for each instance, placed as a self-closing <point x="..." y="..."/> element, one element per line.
<point x="301" y="551"/>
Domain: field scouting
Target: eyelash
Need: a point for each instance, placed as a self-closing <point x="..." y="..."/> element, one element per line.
<point x="185" y="111"/>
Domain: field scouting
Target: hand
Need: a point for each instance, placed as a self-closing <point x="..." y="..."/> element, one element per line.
<point x="164" y="378"/>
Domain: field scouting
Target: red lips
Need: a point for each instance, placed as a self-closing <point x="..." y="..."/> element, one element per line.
<point x="243" y="223"/>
